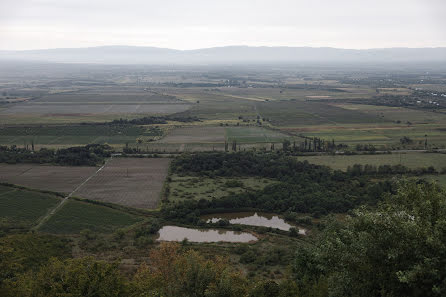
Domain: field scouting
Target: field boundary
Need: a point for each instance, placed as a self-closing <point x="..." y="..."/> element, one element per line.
<point x="65" y="199"/>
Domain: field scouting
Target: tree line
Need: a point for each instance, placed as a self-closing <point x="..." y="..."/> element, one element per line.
<point x="302" y="187"/>
<point x="89" y="155"/>
<point x="155" y="120"/>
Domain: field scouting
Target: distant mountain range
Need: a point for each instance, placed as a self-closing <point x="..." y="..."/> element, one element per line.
<point x="226" y="55"/>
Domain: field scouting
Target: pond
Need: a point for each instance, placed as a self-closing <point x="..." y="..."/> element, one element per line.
<point x="253" y="219"/>
<point x="175" y="233"/>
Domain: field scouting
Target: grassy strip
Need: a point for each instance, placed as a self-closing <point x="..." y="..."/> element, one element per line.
<point x="32" y="189"/>
<point x="130" y="210"/>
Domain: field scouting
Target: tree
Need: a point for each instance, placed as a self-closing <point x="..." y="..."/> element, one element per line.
<point x="406" y="140"/>
<point x="234" y="145"/>
<point x="72" y="277"/>
<point x="286" y="145"/>
<point x="397" y="249"/>
<point x="173" y="273"/>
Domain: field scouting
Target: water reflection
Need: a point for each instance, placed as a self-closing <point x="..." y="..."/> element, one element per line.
<point x="174" y="233"/>
<point x="253" y="219"/>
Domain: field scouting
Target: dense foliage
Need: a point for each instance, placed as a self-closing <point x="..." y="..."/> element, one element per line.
<point x="156" y="120"/>
<point x="27" y="252"/>
<point x="368" y="169"/>
<point x="303" y="187"/>
<point x="89" y="155"/>
<point x="172" y="272"/>
<point x="397" y="249"/>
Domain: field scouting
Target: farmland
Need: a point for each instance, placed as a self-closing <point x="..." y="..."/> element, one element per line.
<point x="63" y="179"/>
<point x="115" y="213"/>
<point x="208" y="137"/>
<point x="21" y="207"/>
<point x="129" y="182"/>
<point x="230" y="105"/>
<point x="383" y="136"/>
<point x="412" y="160"/>
<point x="290" y="113"/>
<point x="93" y="104"/>
<point x="195" y="134"/>
<point x="253" y="135"/>
<point x="126" y="181"/>
<point x="72" y="134"/>
<point x="76" y="216"/>
<point x="92" y="109"/>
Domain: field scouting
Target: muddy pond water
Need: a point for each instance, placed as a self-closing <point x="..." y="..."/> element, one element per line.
<point x="253" y="219"/>
<point x="175" y="233"/>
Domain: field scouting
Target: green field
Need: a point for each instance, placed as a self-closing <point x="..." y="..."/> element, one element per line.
<point x="382" y="135"/>
<point x="53" y="135"/>
<point x="188" y="187"/>
<point x="397" y="113"/>
<point x="76" y="216"/>
<point x="24" y="207"/>
<point x="306" y="113"/>
<point x="411" y="160"/>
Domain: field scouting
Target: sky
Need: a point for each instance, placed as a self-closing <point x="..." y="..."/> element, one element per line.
<point x="192" y="24"/>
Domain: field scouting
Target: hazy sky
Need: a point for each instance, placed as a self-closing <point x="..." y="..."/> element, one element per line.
<point x="189" y="24"/>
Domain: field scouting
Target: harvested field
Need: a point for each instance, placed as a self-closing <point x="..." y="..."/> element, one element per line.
<point x="133" y="182"/>
<point x="108" y="96"/>
<point x="253" y="135"/>
<point x="62" y="179"/>
<point x="84" y="109"/>
<point x="195" y="135"/>
<point x="294" y="113"/>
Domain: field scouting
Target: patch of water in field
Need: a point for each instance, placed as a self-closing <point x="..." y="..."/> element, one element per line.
<point x="253" y="219"/>
<point x="174" y="233"/>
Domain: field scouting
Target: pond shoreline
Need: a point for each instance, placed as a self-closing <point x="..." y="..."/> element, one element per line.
<point x="256" y="219"/>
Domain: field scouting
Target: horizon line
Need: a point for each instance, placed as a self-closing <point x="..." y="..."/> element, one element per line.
<point x="225" y="46"/>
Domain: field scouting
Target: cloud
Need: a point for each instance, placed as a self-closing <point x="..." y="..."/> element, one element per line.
<point x="28" y="24"/>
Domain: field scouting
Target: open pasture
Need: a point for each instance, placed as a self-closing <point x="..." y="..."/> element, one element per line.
<point x="411" y="160"/>
<point x="134" y="182"/>
<point x="189" y="187"/>
<point x="76" y="216"/>
<point x="63" y="179"/>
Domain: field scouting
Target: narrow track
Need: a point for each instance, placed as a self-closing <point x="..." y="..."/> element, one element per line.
<point x="65" y="199"/>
